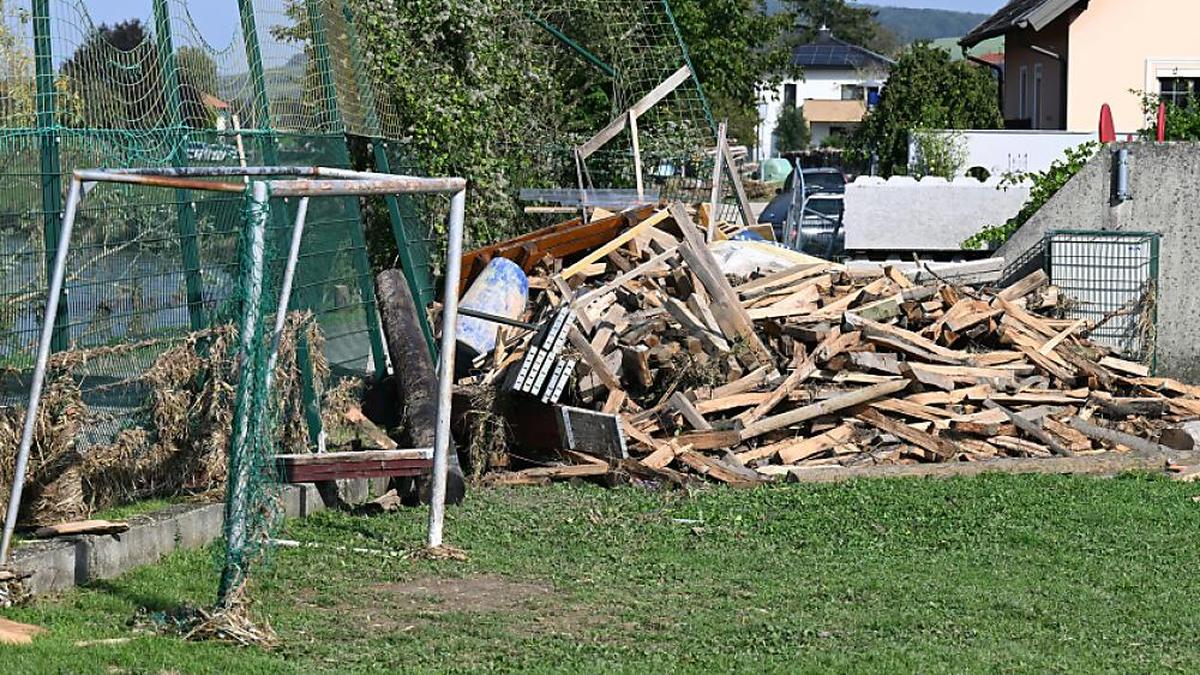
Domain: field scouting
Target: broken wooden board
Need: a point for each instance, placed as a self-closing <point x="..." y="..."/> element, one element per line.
<point x="80" y="527"/>
<point x="14" y="633"/>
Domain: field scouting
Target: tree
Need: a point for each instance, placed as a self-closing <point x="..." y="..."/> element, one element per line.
<point x="791" y="131"/>
<point x="856" y="25"/>
<point x="117" y="74"/>
<point x="197" y="77"/>
<point x="925" y="90"/>
<point x="734" y="45"/>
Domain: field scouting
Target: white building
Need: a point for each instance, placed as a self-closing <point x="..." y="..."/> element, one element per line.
<point x="841" y="82"/>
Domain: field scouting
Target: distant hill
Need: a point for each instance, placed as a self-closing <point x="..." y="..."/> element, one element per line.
<point x="911" y="25"/>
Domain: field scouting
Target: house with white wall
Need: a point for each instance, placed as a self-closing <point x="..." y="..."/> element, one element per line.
<point x="840" y="83"/>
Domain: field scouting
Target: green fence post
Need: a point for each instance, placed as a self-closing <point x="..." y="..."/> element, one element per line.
<point x="366" y="281"/>
<point x="262" y="104"/>
<point x="184" y="212"/>
<point x="408" y="265"/>
<point x="51" y="163"/>
<point x="308" y="388"/>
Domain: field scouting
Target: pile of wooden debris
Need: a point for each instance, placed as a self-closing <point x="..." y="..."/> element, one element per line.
<point x="674" y="368"/>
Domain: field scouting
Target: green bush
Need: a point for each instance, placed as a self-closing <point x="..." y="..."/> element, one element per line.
<point x="791" y="131"/>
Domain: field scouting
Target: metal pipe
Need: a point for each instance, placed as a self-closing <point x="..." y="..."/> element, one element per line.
<point x="441" y="444"/>
<point x="368" y="186"/>
<point x="74" y="195"/>
<point x="285" y="290"/>
<point x="238" y="481"/>
<point x="93" y="176"/>
<point x="1122" y="175"/>
<point x="484" y="316"/>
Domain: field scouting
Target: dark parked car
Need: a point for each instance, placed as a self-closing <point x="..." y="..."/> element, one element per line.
<point x="816" y="181"/>
<point x="818" y="229"/>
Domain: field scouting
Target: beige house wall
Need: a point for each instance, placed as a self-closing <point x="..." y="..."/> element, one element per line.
<point x="1123" y="45"/>
<point x="1019" y="54"/>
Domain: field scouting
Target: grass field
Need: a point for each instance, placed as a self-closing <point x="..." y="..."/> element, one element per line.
<point x="997" y="573"/>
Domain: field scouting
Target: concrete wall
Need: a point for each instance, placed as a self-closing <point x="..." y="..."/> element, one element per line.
<point x="1121" y="45"/>
<point x="903" y="214"/>
<point x="1163" y="180"/>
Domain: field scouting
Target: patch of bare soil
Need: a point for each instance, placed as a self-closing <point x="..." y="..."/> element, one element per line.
<point x="528" y="608"/>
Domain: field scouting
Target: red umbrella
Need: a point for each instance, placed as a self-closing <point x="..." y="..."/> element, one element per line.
<point x="1108" y="132"/>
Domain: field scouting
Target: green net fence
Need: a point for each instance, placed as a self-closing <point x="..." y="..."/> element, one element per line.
<point x="155" y="289"/>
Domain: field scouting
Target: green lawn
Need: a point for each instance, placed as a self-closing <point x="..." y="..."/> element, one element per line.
<point x="997" y="573"/>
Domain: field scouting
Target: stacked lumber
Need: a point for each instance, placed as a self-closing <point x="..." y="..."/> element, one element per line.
<point x="743" y="380"/>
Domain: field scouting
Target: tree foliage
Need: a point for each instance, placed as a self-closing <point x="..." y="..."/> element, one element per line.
<point x="925" y="90"/>
<point x="733" y="44"/>
<point x="1183" y="119"/>
<point x="854" y="24"/>
<point x="117" y="74"/>
<point x="467" y="97"/>
<point x="791" y="131"/>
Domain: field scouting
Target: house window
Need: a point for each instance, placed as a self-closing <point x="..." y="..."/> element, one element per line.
<point x="1022" y="88"/>
<point x="1178" y="90"/>
<point x="1037" y="96"/>
<point x="853" y="92"/>
<point x="789" y="96"/>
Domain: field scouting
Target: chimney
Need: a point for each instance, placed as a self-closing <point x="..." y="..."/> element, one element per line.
<point x="823" y="33"/>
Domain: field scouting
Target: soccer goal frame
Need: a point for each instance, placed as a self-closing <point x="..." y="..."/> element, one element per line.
<point x="260" y="184"/>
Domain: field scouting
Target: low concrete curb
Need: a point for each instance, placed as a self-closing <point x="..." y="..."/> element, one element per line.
<point x="60" y="564"/>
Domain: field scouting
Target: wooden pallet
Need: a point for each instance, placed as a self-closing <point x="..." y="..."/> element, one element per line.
<point x="316" y="468"/>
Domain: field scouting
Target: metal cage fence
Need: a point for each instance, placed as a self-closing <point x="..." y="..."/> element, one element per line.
<point x="1109" y="279"/>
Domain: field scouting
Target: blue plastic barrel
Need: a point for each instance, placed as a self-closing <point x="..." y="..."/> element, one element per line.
<point x="502" y="289"/>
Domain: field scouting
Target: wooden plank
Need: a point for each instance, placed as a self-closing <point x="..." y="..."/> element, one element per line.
<point x="638" y="109"/>
<point x="757" y="378"/>
<point x="81" y="527"/>
<point x="906" y="341"/>
<point x="1117" y="438"/>
<point x="921" y="439"/>
<point x="707" y="466"/>
<point x="739" y="189"/>
<point x="1107" y="464"/>
<point x="827" y="407"/>
<point x="795" y="451"/>
<point x="1024" y="286"/>
<point x="915" y="410"/>
<point x="593" y="360"/>
<point x="365" y="456"/>
<point x="617" y="242"/>
<point x="1127" y="367"/>
<point x="635" y="140"/>
<point x="710" y="440"/>
<point x="1057" y="339"/>
<point x="616" y="282"/>
<point x="725" y="305"/>
<point x="734" y="401"/>
<point x="834" y="344"/>
<point x="785" y="277"/>
<point x="684" y="406"/>
<point x="664" y="455"/>
<point x="14" y="633"/>
<point x="1031" y="428"/>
